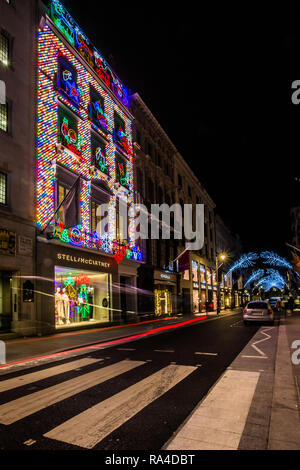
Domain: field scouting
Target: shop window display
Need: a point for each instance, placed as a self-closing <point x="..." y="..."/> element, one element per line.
<point x="195" y="301"/>
<point x="195" y="271"/>
<point x="208" y="276"/>
<point x="202" y="274"/>
<point x="162" y="302"/>
<point x="81" y="296"/>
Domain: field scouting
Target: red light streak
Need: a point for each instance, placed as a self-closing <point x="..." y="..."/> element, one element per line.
<point x="107" y="343"/>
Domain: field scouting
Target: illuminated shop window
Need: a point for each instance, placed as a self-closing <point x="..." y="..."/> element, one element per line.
<point x="96" y="110"/>
<point x="3" y="188"/>
<point x="4" y="49"/>
<point x="120" y="135"/>
<point x="195" y="271"/>
<point x="99" y="159"/>
<point x="4" y="117"/>
<point x="121" y="171"/>
<point x="186" y="275"/>
<point x="67" y="81"/>
<point x="81" y="296"/>
<point x="208" y="276"/>
<point x="202" y="274"/>
<point x="68" y="130"/>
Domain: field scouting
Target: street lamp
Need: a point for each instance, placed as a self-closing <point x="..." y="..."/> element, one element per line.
<point x="222" y="257"/>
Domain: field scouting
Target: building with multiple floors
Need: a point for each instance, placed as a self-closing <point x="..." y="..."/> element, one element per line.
<point x="85" y="158"/>
<point x="295" y="226"/>
<point x="17" y="165"/>
<point x="77" y="151"/>
<point x="231" y="287"/>
<point x="163" y="176"/>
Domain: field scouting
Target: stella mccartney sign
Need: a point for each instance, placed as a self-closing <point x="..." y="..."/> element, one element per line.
<point x="82" y="260"/>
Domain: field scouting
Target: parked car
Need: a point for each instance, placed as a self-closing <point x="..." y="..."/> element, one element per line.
<point x="258" y="310"/>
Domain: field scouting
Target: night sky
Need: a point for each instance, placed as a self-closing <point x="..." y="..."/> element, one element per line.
<point x="219" y="82"/>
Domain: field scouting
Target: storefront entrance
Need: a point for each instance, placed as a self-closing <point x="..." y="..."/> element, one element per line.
<point x="163" y="305"/>
<point x="6" y="300"/>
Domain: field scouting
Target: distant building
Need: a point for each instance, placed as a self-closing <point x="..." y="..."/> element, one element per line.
<point x="163" y="176"/>
<point x="231" y="287"/>
<point x="295" y="226"/>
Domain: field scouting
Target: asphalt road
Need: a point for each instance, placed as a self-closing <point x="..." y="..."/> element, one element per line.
<point x="128" y="397"/>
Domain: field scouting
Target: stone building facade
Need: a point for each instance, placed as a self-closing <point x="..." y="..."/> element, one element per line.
<point x="163" y="176"/>
<point x="17" y="167"/>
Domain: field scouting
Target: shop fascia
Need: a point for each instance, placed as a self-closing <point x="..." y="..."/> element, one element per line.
<point x="82" y="260"/>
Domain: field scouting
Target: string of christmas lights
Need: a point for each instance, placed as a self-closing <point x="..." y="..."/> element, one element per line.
<point x="245" y="261"/>
<point x="254" y="276"/>
<point x="272" y="279"/>
<point x="273" y="259"/>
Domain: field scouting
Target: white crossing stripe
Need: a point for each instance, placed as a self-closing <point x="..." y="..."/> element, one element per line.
<point x="21" y="407"/>
<point x="44" y="374"/>
<point x="218" y="421"/>
<point x="206" y="354"/>
<point x="91" y="426"/>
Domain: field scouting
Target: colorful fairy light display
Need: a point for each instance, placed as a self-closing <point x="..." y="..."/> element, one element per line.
<point x="68" y="136"/>
<point x="72" y="32"/>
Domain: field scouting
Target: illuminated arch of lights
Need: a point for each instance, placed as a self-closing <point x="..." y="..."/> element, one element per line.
<point x="272" y="279"/>
<point x="249" y="259"/>
<point x="267" y="278"/>
<point x="254" y="276"/>
<point x="273" y="259"/>
<point x="245" y="261"/>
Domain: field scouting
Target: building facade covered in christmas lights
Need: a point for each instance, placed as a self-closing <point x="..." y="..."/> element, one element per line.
<point x="87" y="273"/>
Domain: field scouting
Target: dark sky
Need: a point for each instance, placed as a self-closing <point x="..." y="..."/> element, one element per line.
<point x="218" y="79"/>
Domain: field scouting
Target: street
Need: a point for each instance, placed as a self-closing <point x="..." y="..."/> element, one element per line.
<point x="133" y="396"/>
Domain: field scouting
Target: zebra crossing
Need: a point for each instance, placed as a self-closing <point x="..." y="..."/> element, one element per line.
<point x="88" y="428"/>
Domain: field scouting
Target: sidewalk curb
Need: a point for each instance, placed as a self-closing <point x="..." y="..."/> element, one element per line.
<point x="284" y="430"/>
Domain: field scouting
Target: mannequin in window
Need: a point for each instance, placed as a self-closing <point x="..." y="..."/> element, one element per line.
<point x="66" y="306"/>
<point x="59" y="306"/>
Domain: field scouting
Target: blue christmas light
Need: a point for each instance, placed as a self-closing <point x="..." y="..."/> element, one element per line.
<point x="245" y="261"/>
<point x="254" y="276"/>
<point x="273" y="259"/>
<point x="272" y="279"/>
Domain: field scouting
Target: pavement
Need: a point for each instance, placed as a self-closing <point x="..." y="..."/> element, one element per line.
<point x="240" y="386"/>
<point x="20" y="350"/>
<point x="255" y="403"/>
